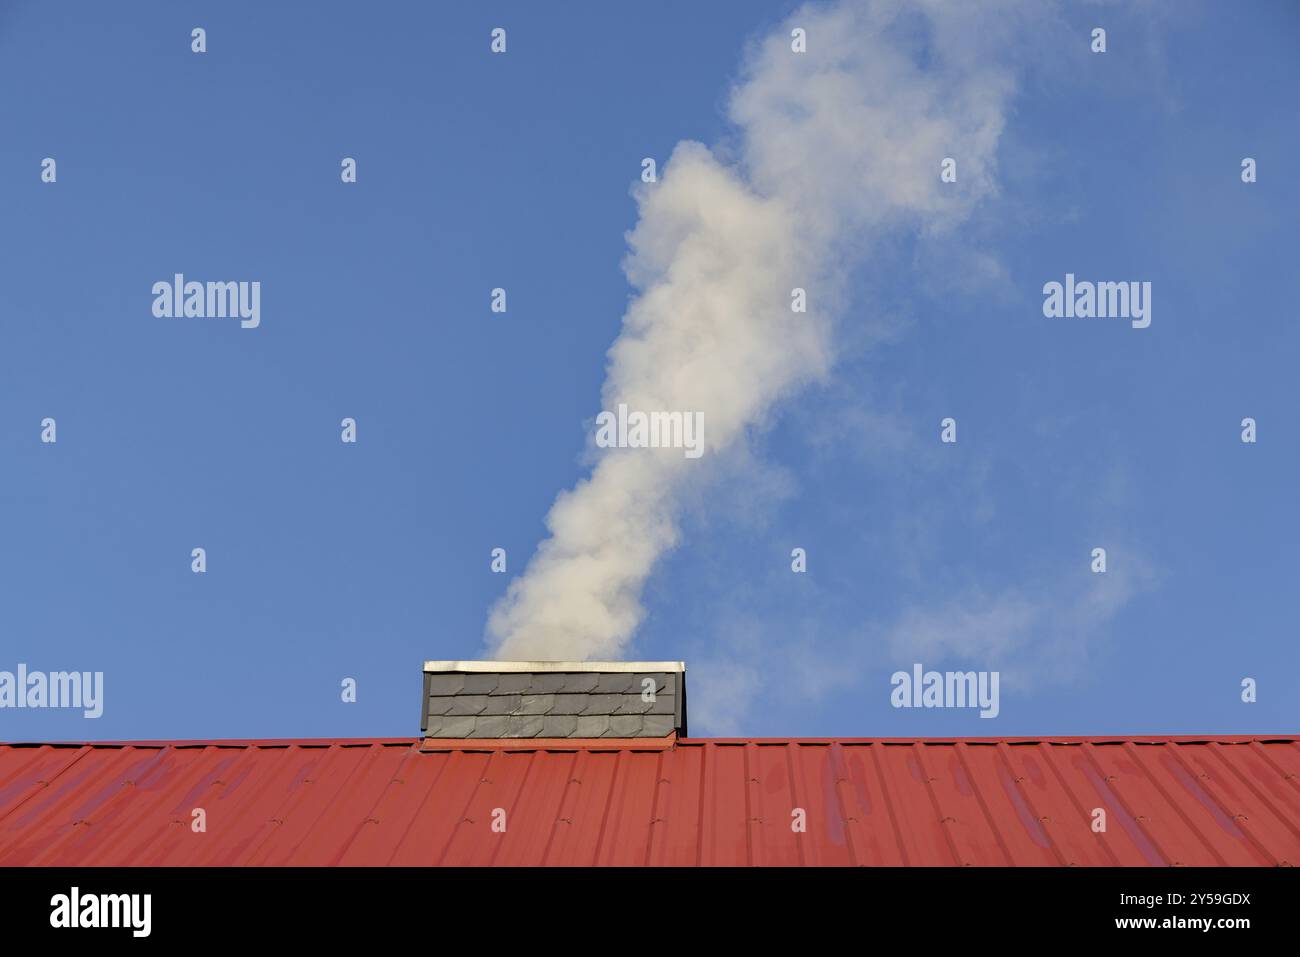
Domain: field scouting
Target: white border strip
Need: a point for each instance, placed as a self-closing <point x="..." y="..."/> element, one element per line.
<point x="505" y="667"/>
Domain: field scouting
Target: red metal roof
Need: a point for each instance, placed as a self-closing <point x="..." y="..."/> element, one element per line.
<point x="1186" y="800"/>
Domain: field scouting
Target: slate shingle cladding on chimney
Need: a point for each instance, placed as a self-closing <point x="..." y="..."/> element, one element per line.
<point x="553" y="699"/>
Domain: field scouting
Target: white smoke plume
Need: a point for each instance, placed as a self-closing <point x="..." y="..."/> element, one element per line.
<point x="835" y="149"/>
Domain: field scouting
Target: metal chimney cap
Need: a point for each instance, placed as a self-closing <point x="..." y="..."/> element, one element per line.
<point x="542" y="667"/>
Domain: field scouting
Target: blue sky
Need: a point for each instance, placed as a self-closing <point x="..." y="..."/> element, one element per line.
<point x="328" y="561"/>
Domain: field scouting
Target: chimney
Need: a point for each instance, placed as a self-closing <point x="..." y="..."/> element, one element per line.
<point x="553" y="699"/>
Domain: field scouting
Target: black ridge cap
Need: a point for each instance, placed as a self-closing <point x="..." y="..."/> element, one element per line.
<point x="424" y="704"/>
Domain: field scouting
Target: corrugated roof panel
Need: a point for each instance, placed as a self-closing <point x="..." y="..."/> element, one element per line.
<point x="869" y="826"/>
<point x="344" y="814"/>
<point x="286" y="823"/>
<point x="379" y="836"/>
<point x="154" y="797"/>
<point x="1169" y="839"/>
<point x="832" y="783"/>
<point x="909" y="798"/>
<point x="574" y="841"/>
<point x="499" y="795"/>
<point x="446" y="804"/>
<point x="1275" y="770"/>
<point x="1048" y="809"/>
<point x="626" y="838"/>
<point x="1079" y="780"/>
<point x="532" y="823"/>
<point x="1186" y="788"/>
<point x="773" y="804"/>
<point x="1009" y="809"/>
<point x="964" y="821"/>
<point x="675" y="821"/>
<point x="1139" y="846"/>
<point x="1218" y="782"/>
<point x="30" y="771"/>
<point x="243" y="806"/>
<point x="1210" y="800"/>
<point x="403" y="826"/>
<point x="724" y="832"/>
<point x="68" y="806"/>
<point x="821" y="781"/>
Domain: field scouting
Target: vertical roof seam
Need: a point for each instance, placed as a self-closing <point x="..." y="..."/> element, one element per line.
<point x="983" y="805"/>
<point x="749" y="810"/>
<point x="609" y="803"/>
<point x="416" y="754"/>
<point x="836" y="754"/>
<point x="462" y="818"/>
<point x="940" y="814"/>
<point x="705" y="768"/>
<point x="569" y="774"/>
<point x="797" y="802"/>
<point x="656" y="832"/>
<point x="1023" y="793"/>
<point x="512" y="800"/>
<point x="889" y="805"/>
